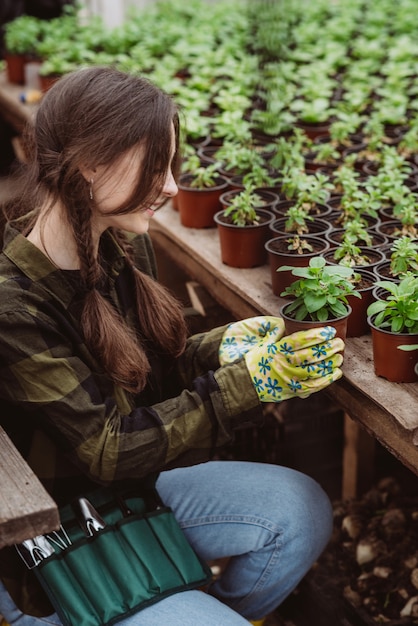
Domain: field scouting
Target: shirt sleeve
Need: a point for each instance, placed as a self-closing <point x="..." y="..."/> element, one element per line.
<point x="96" y="425"/>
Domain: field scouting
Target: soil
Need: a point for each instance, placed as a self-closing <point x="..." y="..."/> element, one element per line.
<point x="377" y="240"/>
<point x="371" y="256"/>
<point x="281" y="245"/>
<point x="371" y="563"/>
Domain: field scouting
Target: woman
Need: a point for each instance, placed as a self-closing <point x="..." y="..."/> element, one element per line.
<point x="104" y="386"/>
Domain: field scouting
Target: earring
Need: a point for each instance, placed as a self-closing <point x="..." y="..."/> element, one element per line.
<point x="91" y="189"/>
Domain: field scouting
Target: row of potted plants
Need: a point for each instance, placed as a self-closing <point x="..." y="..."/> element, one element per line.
<point x="339" y="281"/>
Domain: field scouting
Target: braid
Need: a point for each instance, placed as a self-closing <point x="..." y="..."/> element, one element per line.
<point x="160" y="314"/>
<point x="106" y="334"/>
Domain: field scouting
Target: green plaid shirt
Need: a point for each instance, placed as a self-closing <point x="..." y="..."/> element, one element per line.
<point x="72" y="424"/>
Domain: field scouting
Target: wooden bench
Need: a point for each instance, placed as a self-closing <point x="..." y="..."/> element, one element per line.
<point x="26" y="508"/>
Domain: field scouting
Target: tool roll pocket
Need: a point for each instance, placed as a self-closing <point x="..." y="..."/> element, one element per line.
<point x="132" y="562"/>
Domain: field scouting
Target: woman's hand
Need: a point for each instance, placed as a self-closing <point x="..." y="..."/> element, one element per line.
<point x="297" y="365"/>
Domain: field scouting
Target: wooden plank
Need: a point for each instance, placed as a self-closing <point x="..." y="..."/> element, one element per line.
<point x="399" y="399"/>
<point x="26" y="509"/>
<point x="378" y="422"/>
<point x="358" y="459"/>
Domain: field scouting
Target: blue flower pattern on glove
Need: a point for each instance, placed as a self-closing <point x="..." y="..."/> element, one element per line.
<point x="325" y="367"/>
<point x="258" y="384"/>
<point x="319" y="351"/>
<point x="327" y="333"/>
<point x="294" y="385"/>
<point x="240" y="337"/>
<point x="272" y="348"/>
<point x="285" y="348"/>
<point x="264" y="365"/>
<point x="273" y="387"/>
<point x="308" y="366"/>
<point x="250" y="341"/>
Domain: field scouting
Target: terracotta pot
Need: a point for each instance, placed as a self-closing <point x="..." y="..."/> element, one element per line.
<point x="386" y="214"/>
<point x="382" y="271"/>
<point x="395" y="365"/>
<point x="357" y="322"/>
<point x="198" y="206"/>
<point x="207" y="154"/>
<point x="336" y="217"/>
<point x="293" y="326"/>
<point x="336" y="235"/>
<point x="316" y="227"/>
<point x="279" y="254"/>
<point x="391" y="229"/>
<point x="15" y="68"/>
<point x="268" y="198"/>
<point x="314" y="129"/>
<point x="320" y="210"/>
<point x="46" y="82"/>
<point x="244" y="246"/>
<point x="236" y="183"/>
<point x="313" y="165"/>
<point x="374" y="255"/>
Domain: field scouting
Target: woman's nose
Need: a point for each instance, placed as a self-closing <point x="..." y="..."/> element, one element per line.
<point x="170" y="186"/>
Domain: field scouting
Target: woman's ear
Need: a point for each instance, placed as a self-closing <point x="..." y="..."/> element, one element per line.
<point x="88" y="173"/>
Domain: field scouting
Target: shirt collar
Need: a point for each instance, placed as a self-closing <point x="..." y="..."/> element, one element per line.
<point x="37" y="267"/>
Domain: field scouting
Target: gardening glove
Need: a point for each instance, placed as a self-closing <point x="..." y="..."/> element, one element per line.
<point x="241" y="336"/>
<point x="297" y="365"/>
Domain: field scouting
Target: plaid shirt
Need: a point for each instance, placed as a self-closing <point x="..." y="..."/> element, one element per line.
<point x="72" y="424"/>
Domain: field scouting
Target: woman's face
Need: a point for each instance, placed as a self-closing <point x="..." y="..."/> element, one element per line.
<point x="111" y="188"/>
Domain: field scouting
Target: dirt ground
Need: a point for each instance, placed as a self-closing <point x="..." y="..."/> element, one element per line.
<point x="371" y="562"/>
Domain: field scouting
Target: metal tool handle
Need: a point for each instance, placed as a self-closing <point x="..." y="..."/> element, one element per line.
<point x="89" y="519"/>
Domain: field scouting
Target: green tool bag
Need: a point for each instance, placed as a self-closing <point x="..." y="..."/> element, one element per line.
<point x="138" y="557"/>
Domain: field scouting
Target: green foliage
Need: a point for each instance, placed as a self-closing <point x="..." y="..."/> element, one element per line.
<point x="350" y="255"/>
<point x="242" y="209"/>
<point x="297" y="219"/>
<point x="320" y="291"/>
<point x="404" y="256"/>
<point x="23" y="34"/>
<point x="299" y="245"/>
<point x="205" y="176"/>
<point x="399" y="311"/>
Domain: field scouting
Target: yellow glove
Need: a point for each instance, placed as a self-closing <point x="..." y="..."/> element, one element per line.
<point x="297" y="365"/>
<point x="242" y="336"/>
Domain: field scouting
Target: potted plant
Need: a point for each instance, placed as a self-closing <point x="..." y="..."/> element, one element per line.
<point x="20" y="39"/>
<point x="394" y="322"/>
<point x="54" y="68"/>
<point x="243" y="227"/>
<point x="319" y="295"/>
<point x="291" y="249"/>
<point x="199" y="190"/>
<point x="403" y="258"/>
<point x="352" y="255"/>
<point x="358" y="233"/>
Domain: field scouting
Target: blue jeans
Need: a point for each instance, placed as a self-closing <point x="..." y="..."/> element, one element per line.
<point x="272" y="521"/>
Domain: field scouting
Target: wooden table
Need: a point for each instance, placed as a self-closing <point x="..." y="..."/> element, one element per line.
<point x="387" y="411"/>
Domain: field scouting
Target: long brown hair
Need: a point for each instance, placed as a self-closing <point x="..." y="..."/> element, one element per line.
<point x="93" y="117"/>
